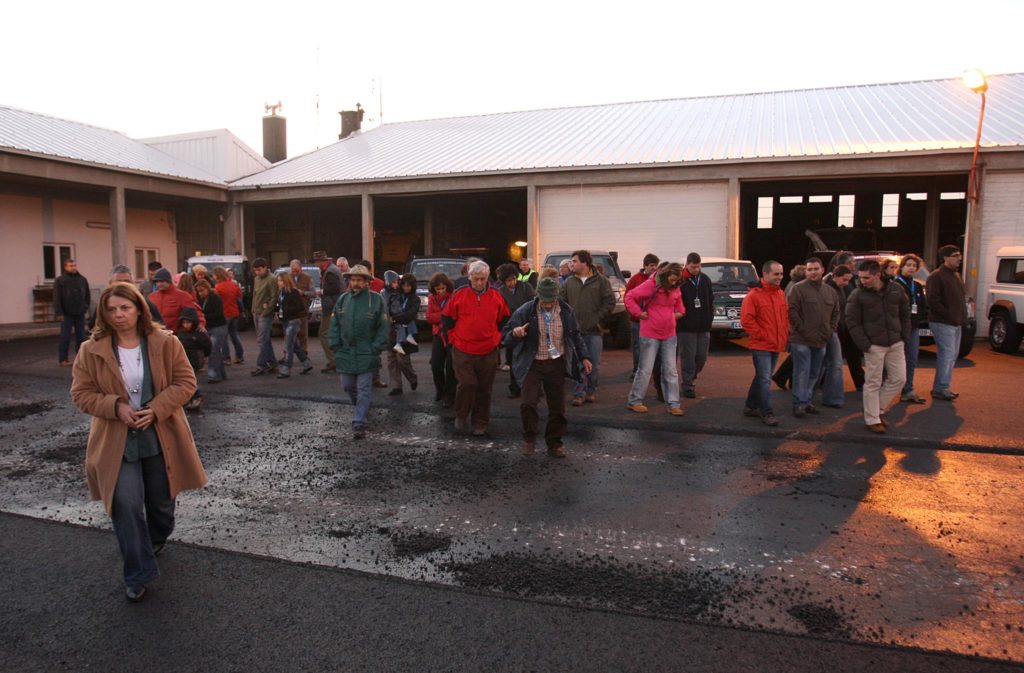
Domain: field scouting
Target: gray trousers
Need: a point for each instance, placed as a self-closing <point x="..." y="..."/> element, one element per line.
<point x="693" y="354"/>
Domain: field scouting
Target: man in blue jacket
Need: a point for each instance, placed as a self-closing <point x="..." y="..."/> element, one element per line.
<point x="547" y="346"/>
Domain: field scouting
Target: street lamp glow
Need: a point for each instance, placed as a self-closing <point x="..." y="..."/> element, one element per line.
<point x="521" y="244"/>
<point x="974" y="80"/>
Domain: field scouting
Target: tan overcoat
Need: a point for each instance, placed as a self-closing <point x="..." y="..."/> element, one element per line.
<point x="96" y="387"/>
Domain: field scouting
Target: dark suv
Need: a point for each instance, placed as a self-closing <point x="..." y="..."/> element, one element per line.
<point x="730" y="283"/>
<point x="425" y="267"/>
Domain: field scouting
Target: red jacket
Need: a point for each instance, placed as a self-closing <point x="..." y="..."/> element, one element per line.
<point x="635" y="280"/>
<point x="765" y="317"/>
<point x="435" y="307"/>
<point x="661" y="308"/>
<point x="474" y="321"/>
<point x="376" y="285"/>
<point x="229" y="294"/>
<point x="170" y="302"/>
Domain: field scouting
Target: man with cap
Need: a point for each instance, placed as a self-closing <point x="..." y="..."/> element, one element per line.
<point x="546" y="345"/>
<point x="331" y="287"/>
<point x="473" y="318"/>
<point x="947" y="315"/>
<point x="264" y="305"/>
<point x="148" y="287"/>
<point x="169" y="301"/>
<point x="358" y="334"/>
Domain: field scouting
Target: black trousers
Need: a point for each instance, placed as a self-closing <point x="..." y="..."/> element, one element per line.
<point x="442" y="370"/>
<point x="549" y="376"/>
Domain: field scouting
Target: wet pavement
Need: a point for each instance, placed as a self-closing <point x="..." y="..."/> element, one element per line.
<point x="818" y="527"/>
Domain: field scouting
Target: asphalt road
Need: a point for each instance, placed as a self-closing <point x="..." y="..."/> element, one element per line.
<point x="706" y="529"/>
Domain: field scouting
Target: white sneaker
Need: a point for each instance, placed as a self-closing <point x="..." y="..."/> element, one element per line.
<point x="398" y="349"/>
<point x="411" y="339"/>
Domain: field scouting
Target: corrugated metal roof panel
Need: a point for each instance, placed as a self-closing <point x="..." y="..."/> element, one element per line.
<point x="34" y="133"/>
<point x="834" y="122"/>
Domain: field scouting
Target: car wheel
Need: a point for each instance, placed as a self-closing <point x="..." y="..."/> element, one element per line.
<point x="1003" y="336"/>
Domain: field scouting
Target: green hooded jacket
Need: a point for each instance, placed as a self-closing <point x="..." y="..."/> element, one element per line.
<point x="359" y="332"/>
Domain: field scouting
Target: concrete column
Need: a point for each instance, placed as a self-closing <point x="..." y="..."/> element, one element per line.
<point x="233" y="232"/>
<point x="972" y="238"/>
<point x="930" y="247"/>
<point x="533" y="241"/>
<point x="732" y="235"/>
<point x="428" y="230"/>
<point x="368" y="233"/>
<point x="118" y="228"/>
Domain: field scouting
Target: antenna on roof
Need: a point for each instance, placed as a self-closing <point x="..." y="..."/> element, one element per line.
<point x="272" y="109"/>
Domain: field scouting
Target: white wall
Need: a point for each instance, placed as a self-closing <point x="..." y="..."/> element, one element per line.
<point x="27" y="222"/>
<point x="1002" y="223"/>
<point x="668" y="220"/>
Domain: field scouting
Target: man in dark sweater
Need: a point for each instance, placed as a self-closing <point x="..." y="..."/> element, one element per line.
<point x="330" y="290"/>
<point x="813" y="318"/>
<point x="71" y="299"/>
<point x="693" y="330"/>
<point x="947" y="315"/>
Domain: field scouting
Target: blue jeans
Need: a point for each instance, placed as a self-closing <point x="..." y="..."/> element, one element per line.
<point x="292" y="347"/>
<point x="650" y="349"/>
<point x="947" y="343"/>
<point x="215" y="364"/>
<point x="233" y="338"/>
<point x="360" y="390"/>
<point x="143" y="516"/>
<point x="806" y="369"/>
<point x="911" y="349"/>
<point x="69" y="321"/>
<point x="588" y="383"/>
<point x="760" y="394"/>
<point x="832" y="391"/>
<point x="266" y="358"/>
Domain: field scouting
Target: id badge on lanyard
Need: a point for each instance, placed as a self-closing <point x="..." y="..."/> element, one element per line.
<point x="696" y="303"/>
<point x="552" y="351"/>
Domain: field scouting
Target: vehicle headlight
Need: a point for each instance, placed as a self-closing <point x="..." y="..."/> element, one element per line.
<point x="423" y="301"/>
<point x="720" y="311"/>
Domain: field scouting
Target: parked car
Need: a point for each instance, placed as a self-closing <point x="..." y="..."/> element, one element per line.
<point x="730" y="283"/>
<point x="425" y="267"/>
<point x="618" y="331"/>
<point x="315" y="308"/>
<point x="1006" y="301"/>
<point x="243" y="274"/>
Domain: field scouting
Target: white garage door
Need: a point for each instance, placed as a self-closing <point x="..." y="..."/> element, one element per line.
<point x="1002" y="216"/>
<point x="668" y="220"/>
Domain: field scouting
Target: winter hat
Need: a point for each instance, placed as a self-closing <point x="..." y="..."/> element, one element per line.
<point x="162" y="274"/>
<point x="189" y="313"/>
<point x="390" y="277"/>
<point x="547" y="289"/>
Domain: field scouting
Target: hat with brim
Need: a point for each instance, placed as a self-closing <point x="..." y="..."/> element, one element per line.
<point x="358" y="270"/>
<point x="321" y="256"/>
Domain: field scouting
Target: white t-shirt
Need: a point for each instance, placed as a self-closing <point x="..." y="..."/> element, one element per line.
<point x="132" y="373"/>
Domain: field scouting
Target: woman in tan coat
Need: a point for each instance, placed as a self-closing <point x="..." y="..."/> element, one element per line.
<point x="133" y="378"/>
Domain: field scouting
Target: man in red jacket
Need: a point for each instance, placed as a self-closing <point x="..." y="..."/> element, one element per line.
<point x="473" y="318"/>
<point x="765" y="317"/>
<point x="169" y="300"/>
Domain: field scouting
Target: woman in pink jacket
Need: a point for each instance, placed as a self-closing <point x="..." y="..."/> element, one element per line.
<point x="657" y="303"/>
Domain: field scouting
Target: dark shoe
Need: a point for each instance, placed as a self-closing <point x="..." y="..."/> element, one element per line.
<point x="479" y="430"/>
<point x="799" y="412"/>
<point x="212" y="381"/>
<point x="259" y="371"/>
<point x="358" y="433"/>
<point x="239" y="361"/>
<point x="157" y="548"/>
<point x="811" y="409"/>
<point x="833" y="406"/>
<point x="135" y="595"/>
<point x="379" y="384"/>
<point x="690" y="394"/>
<point x="281" y="361"/>
<point x="877" y="428"/>
<point x="414" y="384"/>
<point x="438" y="397"/>
<point x="769" y="419"/>
<point x="395" y="391"/>
<point x="946" y="395"/>
<point x="529" y="448"/>
<point x="592" y="397"/>
<point x="283" y="375"/>
<point x="557" y="451"/>
<point x="328" y="370"/>
<point x="577" y="401"/>
<point x="460" y="424"/>
<point x="912" y="398"/>
<point x="307" y="368"/>
<point x="751" y="413"/>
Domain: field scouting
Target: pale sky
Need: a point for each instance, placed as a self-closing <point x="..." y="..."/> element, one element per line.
<point x="150" y="69"/>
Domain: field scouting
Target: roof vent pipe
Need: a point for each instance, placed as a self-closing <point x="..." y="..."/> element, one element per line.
<point x="351" y="121"/>
<point x="275" y="134"/>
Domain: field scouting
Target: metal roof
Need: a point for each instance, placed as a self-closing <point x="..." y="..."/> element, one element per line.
<point x="36" y="134"/>
<point x="923" y="116"/>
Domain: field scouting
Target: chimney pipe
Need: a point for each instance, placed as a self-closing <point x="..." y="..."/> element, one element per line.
<point x="275" y="135"/>
<point x="351" y="121"/>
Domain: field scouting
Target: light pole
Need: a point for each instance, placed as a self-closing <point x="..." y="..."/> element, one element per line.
<point x="975" y="81"/>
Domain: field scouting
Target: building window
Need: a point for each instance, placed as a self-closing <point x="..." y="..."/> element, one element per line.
<point x="890" y="210"/>
<point x="820" y="198"/>
<point x="846" y="203"/>
<point x="143" y="256"/>
<point x="791" y="199"/>
<point x="917" y="196"/>
<point x="54" y="256"/>
<point x="765" y="208"/>
<point x="953" y="196"/>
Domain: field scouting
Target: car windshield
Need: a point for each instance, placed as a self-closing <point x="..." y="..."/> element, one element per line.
<point x="238" y="267"/>
<point x="311" y="271"/>
<point x="730" y="275"/>
<point x="603" y="262"/>
<point x="424" y="269"/>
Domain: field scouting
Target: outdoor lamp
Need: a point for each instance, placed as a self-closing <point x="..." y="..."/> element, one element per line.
<point x="974" y="80"/>
<point x="521" y="244"/>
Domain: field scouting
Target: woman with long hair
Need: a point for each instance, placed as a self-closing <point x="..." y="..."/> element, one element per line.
<point x="293" y="308"/>
<point x="133" y="378"/>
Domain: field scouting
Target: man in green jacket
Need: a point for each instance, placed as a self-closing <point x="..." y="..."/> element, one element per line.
<point x="264" y="305"/>
<point x="590" y="295"/>
<point x="358" y="335"/>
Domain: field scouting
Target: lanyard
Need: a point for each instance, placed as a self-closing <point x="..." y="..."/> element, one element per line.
<point x="910" y="288"/>
<point x="696" y="283"/>
<point x="549" y="317"/>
